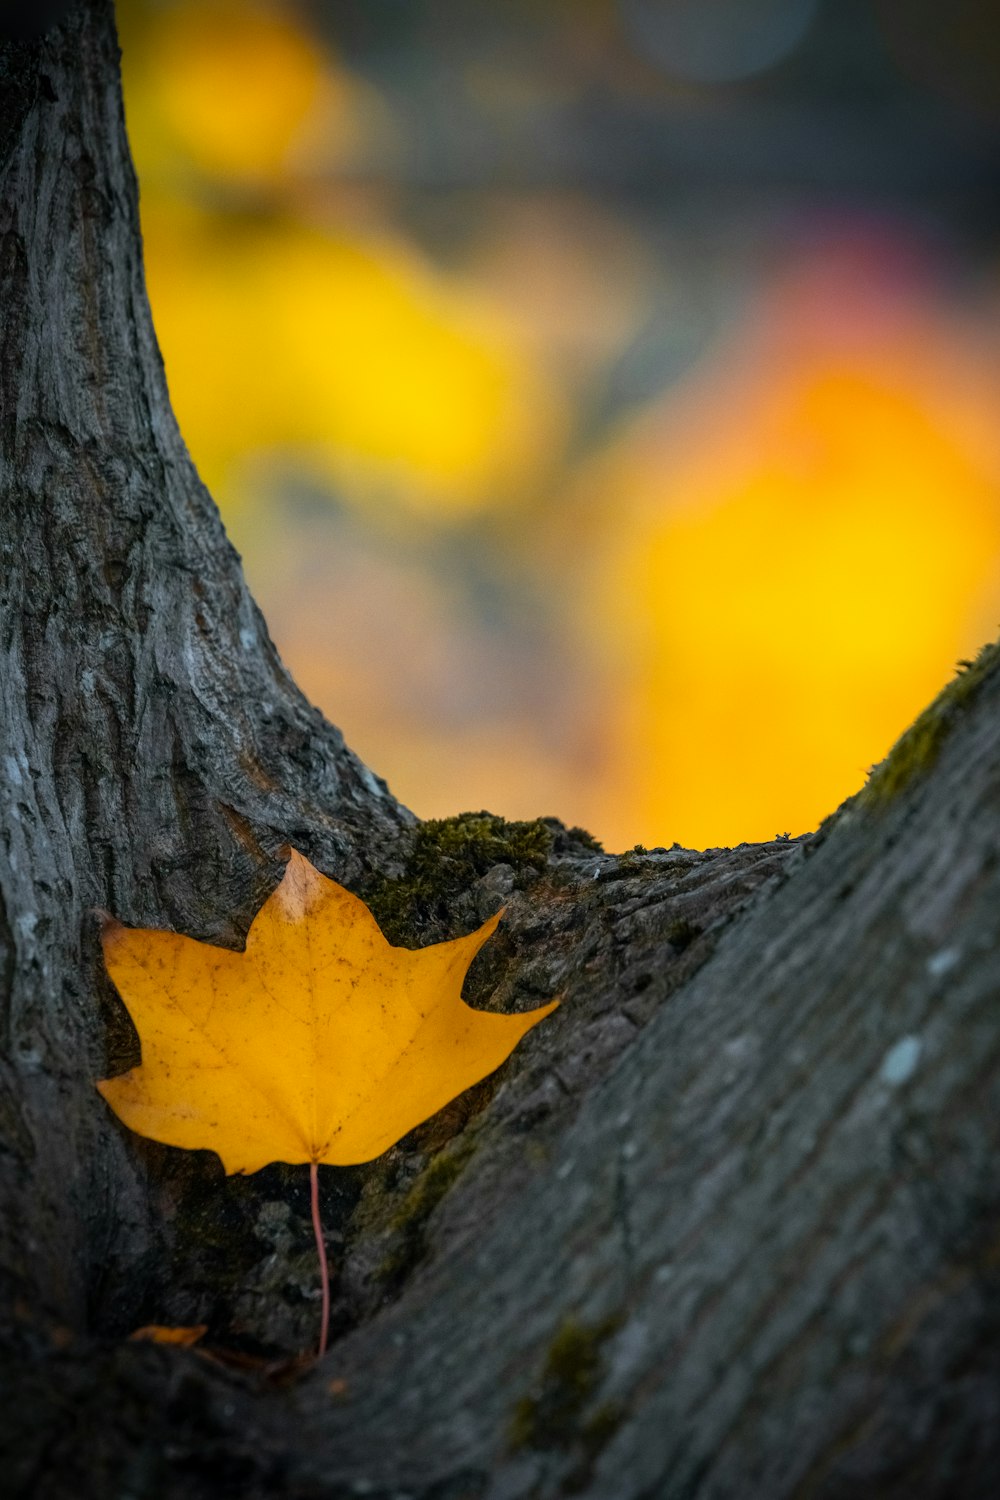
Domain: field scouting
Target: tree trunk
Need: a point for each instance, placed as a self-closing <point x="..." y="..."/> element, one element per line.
<point x="728" y="1225"/>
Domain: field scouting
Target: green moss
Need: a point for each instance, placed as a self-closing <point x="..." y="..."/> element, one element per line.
<point x="587" y="840"/>
<point x="916" y="751"/>
<point x="409" y="1223"/>
<point x="632" y="857"/>
<point x="431" y="1186"/>
<point x="478" y="841"/>
<point x="447" y="856"/>
<point x="551" y="1416"/>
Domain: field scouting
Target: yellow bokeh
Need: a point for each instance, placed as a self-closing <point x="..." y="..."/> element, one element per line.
<point x="344" y="352"/>
<point x="787" y="594"/>
<point x="242" y="119"/>
<point x="235" y="90"/>
<point x="350" y="355"/>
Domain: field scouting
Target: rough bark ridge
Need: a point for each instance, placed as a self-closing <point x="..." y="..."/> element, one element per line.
<point x="727" y="1225"/>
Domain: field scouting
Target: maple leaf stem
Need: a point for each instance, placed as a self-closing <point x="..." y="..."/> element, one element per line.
<point x="324" y="1269"/>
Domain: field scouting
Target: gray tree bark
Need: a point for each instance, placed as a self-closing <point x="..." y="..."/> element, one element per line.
<point x="728" y="1225"/>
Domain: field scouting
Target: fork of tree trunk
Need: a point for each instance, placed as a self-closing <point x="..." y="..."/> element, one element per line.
<point x="726" y="1226"/>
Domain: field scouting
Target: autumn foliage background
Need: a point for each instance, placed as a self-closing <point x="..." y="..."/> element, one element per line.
<point x="604" y="394"/>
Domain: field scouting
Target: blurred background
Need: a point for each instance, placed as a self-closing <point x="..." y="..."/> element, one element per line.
<point x="604" y="394"/>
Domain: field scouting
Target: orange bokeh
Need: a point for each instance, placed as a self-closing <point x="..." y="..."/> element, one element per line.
<point x="804" y="543"/>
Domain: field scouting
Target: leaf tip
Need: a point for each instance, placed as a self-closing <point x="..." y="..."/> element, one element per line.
<point x="534" y="1016"/>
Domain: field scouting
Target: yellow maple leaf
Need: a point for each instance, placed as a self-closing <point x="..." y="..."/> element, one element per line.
<point x="320" y="1043"/>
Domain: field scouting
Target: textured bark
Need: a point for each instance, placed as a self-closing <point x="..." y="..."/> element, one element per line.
<point x="728" y="1225"/>
<point x="155" y="753"/>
